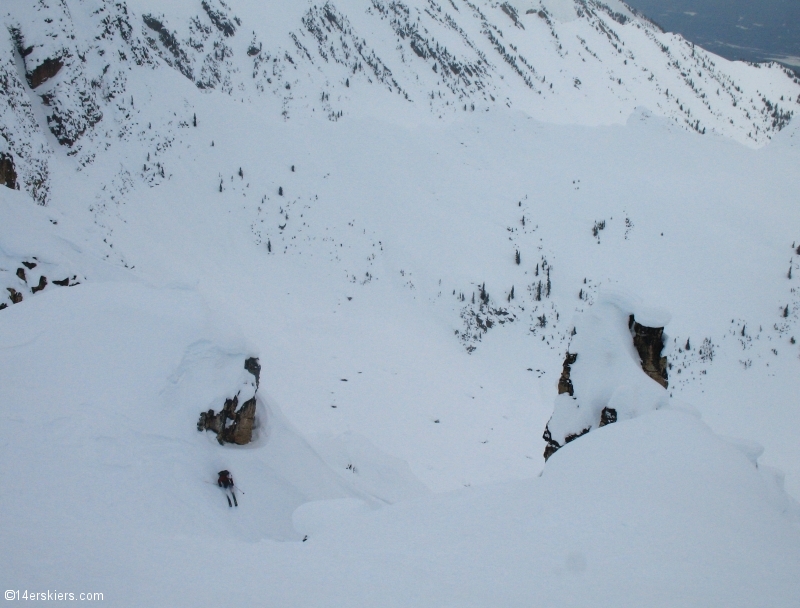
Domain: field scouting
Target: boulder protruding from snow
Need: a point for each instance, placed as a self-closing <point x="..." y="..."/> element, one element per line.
<point x="16" y="297"/>
<point x="609" y="375"/>
<point x="254" y="367"/>
<point x="608" y="416"/>
<point x="29" y="277"/>
<point x="233" y="425"/>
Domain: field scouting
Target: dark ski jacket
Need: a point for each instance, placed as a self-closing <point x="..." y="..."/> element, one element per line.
<point x="225" y="480"/>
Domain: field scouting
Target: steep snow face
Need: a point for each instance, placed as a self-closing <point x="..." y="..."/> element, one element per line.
<point x="68" y="67"/>
<point x="128" y="413"/>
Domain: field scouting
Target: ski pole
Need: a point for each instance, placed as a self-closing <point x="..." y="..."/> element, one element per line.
<point x="214" y="484"/>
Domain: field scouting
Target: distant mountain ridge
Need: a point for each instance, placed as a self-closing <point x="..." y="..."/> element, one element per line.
<point x="66" y="66"/>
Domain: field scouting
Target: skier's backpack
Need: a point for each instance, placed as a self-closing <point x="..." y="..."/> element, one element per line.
<point x="224" y="479"/>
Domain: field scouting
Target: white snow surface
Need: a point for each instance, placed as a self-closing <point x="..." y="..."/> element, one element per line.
<point x="409" y="273"/>
<point x="608" y="371"/>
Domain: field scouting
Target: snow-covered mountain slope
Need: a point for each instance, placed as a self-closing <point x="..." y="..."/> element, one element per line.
<point x="71" y="70"/>
<point x="410" y="275"/>
<point x="113" y="489"/>
<point x="655" y="510"/>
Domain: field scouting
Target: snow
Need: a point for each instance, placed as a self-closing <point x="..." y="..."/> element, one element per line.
<point x="400" y="412"/>
<point x="607" y="372"/>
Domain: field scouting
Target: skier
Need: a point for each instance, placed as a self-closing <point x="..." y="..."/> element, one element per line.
<point x="225" y="481"/>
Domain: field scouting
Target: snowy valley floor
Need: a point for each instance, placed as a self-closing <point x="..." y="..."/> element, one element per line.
<point x="411" y="465"/>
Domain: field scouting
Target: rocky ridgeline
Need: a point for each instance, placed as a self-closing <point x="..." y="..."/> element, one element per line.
<point x="66" y="67"/>
<point x="234" y="424"/>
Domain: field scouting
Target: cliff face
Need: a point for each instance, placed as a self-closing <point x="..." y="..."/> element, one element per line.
<point x="8" y="175"/>
<point x="649" y="342"/>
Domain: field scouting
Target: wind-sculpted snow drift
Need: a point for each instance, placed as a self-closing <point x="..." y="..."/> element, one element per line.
<point x="408" y="212"/>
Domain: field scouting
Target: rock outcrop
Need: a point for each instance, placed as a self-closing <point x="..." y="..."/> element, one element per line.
<point x="649" y="342"/>
<point x="608" y="416"/>
<point x="8" y="175"/>
<point x="29" y="278"/>
<point x="565" y="387"/>
<point x="564" y="382"/>
<point x="603" y="384"/>
<point x="16" y="297"/>
<point x="553" y="446"/>
<point x="234" y="424"/>
<point x="254" y="367"/>
<point x="44" y="71"/>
